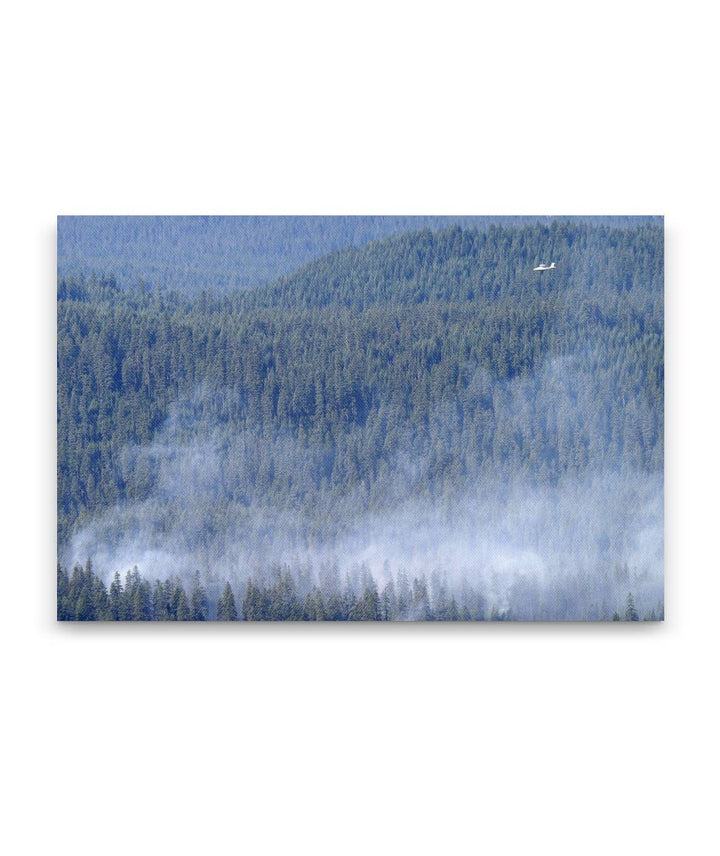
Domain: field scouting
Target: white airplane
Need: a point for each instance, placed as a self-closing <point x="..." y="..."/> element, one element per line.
<point x="545" y="267"/>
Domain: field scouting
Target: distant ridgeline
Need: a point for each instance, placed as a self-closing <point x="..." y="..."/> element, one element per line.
<point x="191" y="254"/>
<point x="409" y="373"/>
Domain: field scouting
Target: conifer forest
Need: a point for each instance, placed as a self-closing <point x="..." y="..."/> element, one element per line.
<point x="360" y="419"/>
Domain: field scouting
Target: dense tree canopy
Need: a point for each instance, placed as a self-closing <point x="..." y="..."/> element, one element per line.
<point x="82" y="596"/>
<point x="193" y="253"/>
<point x="416" y="366"/>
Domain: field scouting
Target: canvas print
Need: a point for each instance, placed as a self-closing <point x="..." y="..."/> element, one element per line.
<point x="423" y="419"/>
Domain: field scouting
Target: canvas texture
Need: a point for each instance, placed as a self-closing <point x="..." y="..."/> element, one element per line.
<point x="341" y="419"/>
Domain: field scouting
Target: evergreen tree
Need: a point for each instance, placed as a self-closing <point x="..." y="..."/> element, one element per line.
<point x="227" y="611"/>
<point x="198" y="600"/>
<point x="367" y="608"/>
<point x="63" y="587"/>
<point x="631" y="614"/>
<point x="388" y="602"/>
<point x="182" y="609"/>
<point x="315" y="606"/>
<point x="101" y="602"/>
<point x="118" y="611"/>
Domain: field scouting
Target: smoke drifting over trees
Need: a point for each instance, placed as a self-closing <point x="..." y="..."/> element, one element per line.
<point x="421" y="428"/>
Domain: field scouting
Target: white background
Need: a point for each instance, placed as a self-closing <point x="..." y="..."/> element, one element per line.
<point x="342" y="740"/>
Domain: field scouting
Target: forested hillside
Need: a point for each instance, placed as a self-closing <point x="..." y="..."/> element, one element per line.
<point x="425" y="405"/>
<point x="189" y="254"/>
